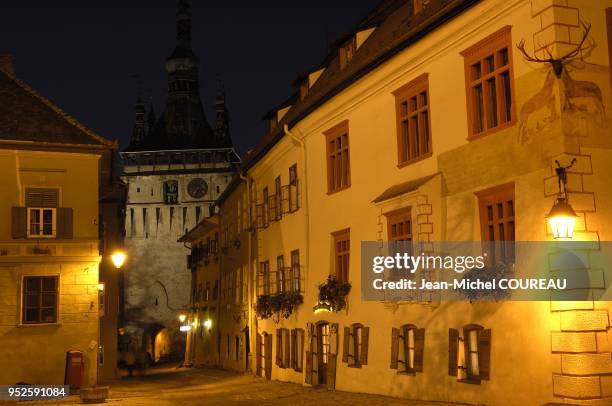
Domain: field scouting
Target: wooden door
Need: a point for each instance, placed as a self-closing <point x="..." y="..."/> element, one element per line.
<point x="323" y="351"/>
<point x="268" y="355"/>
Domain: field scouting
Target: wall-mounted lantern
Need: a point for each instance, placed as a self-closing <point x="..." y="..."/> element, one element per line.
<point x="562" y="216"/>
<point x="118" y="258"/>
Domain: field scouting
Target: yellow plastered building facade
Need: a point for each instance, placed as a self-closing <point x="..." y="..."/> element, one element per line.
<point x="541" y="352"/>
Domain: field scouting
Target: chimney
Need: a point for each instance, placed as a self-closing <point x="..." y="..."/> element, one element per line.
<point x="7" y="63"/>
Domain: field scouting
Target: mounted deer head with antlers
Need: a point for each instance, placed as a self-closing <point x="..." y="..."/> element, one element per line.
<point x="558" y="64"/>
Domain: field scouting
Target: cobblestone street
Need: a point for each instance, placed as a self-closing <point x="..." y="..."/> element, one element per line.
<point x="216" y="387"/>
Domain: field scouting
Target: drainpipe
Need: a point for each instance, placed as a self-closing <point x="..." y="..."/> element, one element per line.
<point x="302" y="144"/>
<point x="252" y="232"/>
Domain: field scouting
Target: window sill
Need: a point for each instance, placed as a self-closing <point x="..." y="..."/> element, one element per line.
<point x="354" y="366"/>
<point x="471" y="381"/>
<point x="332" y="192"/>
<point x="22" y="325"/>
<point x="474" y="137"/>
<point x="414" y="160"/>
<point x="408" y="373"/>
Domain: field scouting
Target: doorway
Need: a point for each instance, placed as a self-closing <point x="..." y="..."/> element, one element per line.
<point x="323" y="351"/>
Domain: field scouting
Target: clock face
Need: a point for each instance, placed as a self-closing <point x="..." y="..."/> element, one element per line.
<point x="197" y="188"/>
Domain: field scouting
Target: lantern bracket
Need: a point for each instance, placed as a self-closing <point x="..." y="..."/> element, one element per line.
<point x="561" y="172"/>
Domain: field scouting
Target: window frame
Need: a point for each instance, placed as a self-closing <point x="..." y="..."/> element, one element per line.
<point x="343" y="153"/>
<point x="338" y="237"/>
<point x="41" y="223"/>
<point x="479" y="52"/>
<point x="413" y="89"/>
<point x="296" y="271"/>
<point x="281" y="278"/>
<point x="24" y="295"/>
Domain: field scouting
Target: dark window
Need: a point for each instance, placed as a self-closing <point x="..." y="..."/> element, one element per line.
<point x="342" y="246"/>
<point x="489" y="83"/>
<point x="413" y="120"/>
<point x="40" y="299"/>
<point x="338" y="162"/>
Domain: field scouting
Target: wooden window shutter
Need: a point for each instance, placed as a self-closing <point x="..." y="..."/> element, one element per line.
<point x="279" y="335"/>
<point x="268" y="354"/>
<point x="365" y="337"/>
<point x="41" y="197"/>
<point x="287" y="342"/>
<point x="394" y="347"/>
<point x="453" y="351"/>
<point x="331" y="371"/>
<point x="258" y="354"/>
<point x="484" y="354"/>
<point x="300" y="351"/>
<point x="19" y="222"/>
<point x="345" y="344"/>
<point x="333" y="338"/>
<point x="64" y="223"/>
<point x="308" y="377"/>
<point x="419" y="348"/>
<point x="293" y="350"/>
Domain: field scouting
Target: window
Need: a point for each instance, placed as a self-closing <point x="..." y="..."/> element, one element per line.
<point x="297" y="349"/>
<point x="295" y="271"/>
<point x="496" y="208"/>
<point x="266" y="206"/>
<point x="41" y="206"/>
<point x="277" y="198"/>
<point x="236" y="348"/>
<point x="207" y="291"/>
<point x="40" y="299"/>
<point x="419" y="5"/>
<point x="338" y="163"/>
<point x="355" y="345"/>
<point x="471" y="361"/>
<point x="293" y="174"/>
<point x="283" y="352"/>
<point x="264" y="273"/>
<point x="346" y="52"/>
<point x="280" y="274"/>
<point x="41" y="222"/>
<point x="293" y="189"/>
<point x="489" y="83"/>
<point x="399" y="225"/>
<point x="304" y="89"/>
<point x="342" y="245"/>
<point x="413" y="121"/>
<point x="407" y="347"/>
<point x="171" y="192"/>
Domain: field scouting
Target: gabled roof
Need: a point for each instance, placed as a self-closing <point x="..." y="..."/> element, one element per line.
<point x="397" y="28"/>
<point x="28" y="117"/>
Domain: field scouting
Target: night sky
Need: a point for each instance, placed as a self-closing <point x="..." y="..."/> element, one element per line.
<point x="84" y="55"/>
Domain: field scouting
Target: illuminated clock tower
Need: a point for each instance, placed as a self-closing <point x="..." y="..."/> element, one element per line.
<point x="175" y="168"/>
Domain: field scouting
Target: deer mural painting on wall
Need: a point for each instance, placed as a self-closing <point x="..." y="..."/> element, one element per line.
<point x="571" y="89"/>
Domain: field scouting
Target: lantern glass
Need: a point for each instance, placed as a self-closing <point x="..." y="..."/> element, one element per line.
<point x="562" y="219"/>
<point x="118" y="259"/>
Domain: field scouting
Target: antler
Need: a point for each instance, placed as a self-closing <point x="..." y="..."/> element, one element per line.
<point x="521" y="47"/>
<point x="574" y="52"/>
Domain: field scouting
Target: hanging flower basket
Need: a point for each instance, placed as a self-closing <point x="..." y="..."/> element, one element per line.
<point x="488" y="274"/>
<point x="334" y="293"/>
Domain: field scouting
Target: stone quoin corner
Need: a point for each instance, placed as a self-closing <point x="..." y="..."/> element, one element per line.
<point x="396" y="201"/>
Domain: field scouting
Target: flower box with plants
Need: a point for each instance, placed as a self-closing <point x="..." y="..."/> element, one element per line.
<point x="279" y="305"/>
<point x="334" y="292"/>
